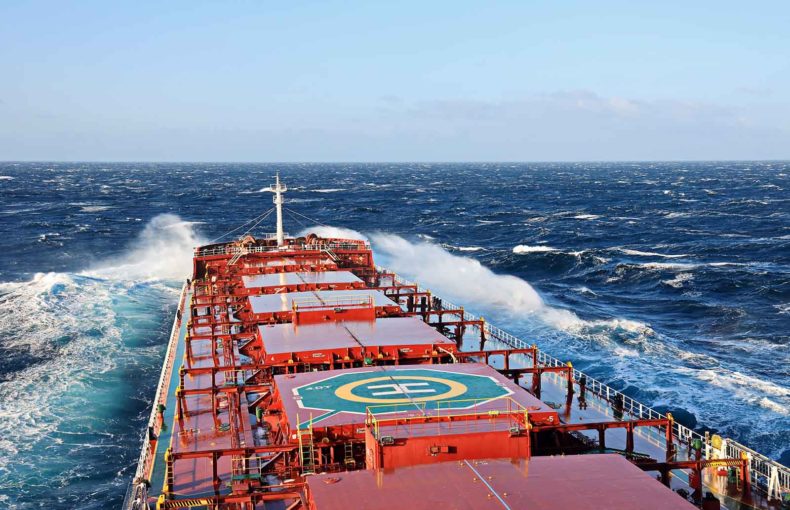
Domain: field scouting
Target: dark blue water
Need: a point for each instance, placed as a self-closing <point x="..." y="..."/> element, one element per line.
<point x="671" y="281"/>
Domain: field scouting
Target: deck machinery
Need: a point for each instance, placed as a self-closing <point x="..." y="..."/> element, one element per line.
<point x="300" y="375"/>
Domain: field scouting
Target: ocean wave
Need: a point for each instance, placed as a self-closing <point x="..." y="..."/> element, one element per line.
<point x="523" y="248"/>
<point x="670" y="266"/>
<point x="639" y="253"/>
<point x="586" y="217"/>
<point x="95" y="208"/>
<point x="328" y="190"/>
<point x="458" y="277"/>
<point x="678" y="281"/>
<point x="6" y="178"/>
<point x="79" y="328"/>
<point x="584" y="290"/>
<point x="333" y="232"/>
<point x="745" y="386"/>
<point x="163" y="250"/>
<point x="302" y="200"/>
<point x="462" y="248"/>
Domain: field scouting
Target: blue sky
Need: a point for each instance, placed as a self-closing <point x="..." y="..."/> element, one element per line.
<point x="394" y="81"/>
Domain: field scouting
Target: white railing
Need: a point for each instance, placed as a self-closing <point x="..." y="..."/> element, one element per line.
<point x="136" y="487"/>
<point x="230" y="249"/>
<point x="330" y="302"/>
<point x="761" y="468"/>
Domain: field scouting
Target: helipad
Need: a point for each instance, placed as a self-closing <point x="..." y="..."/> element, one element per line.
<point x="334" y="397"/>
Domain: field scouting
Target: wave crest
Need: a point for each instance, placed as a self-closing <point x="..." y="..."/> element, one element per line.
<point x="162" y="251"/>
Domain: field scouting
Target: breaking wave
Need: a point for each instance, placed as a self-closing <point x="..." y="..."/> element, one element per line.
<point x="523" y="248"/>
<point x="457" y="277"/>
<point x="638" y="253"/>
<point x="163" y="250"/>
<point x="71" y="343"/>
<point x="336" y="232"/>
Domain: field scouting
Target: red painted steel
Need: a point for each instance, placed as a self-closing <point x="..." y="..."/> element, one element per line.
<point x="573" y="482"/>
<point x="266" y="323"/>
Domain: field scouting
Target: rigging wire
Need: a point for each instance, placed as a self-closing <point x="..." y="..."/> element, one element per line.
<point x="258" y="222"/>
<point x="242" y="225"/>
<point x="293" y="217"/>
<point x="305" y="217"/>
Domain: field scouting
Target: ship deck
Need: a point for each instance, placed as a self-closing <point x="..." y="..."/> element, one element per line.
<point x="265" y="390"/>
<point x="320" y="341"/>
<point x="284" y="302"/>
<point x="299" y="278"/>
<point x="498" y="484"/>
<point x="345" y="397"/>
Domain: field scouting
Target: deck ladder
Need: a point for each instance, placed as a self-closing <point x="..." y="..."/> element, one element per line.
<point x="242" y="251"/>
<point x="349" y="455"/>
<point x="306" y="447"/>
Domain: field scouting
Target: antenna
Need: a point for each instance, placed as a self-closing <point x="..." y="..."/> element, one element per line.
<point x="278" y="189"/>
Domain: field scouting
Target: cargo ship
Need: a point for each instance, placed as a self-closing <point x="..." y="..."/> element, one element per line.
<point x="301" y="375"/>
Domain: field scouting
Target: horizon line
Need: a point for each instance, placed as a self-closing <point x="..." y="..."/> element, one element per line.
<point x="404" y="162"/>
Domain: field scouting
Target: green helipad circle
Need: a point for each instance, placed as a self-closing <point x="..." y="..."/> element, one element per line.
<point x="397" y="390"/>
<point x="400" y="389"/>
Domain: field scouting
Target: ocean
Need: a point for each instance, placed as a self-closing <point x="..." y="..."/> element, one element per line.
<point x="670" y="281"/>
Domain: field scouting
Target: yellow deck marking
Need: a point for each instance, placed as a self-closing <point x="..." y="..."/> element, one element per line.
<point x="346" y="391"/>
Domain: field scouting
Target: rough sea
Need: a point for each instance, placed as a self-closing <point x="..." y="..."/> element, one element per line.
<point x="670" y="281"/>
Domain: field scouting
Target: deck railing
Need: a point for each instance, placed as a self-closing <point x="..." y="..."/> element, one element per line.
<point x="230" y="249"/>
<point x="147" y="454"/>
<point x="463" y="414"/>
<point x="767" y="475"/>
<point x="316" y="302"/>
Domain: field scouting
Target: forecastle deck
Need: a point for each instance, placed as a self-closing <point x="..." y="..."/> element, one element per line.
<point x="287" y="362"/>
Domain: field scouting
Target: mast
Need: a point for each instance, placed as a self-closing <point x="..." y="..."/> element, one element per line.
<point x="278" y="189"/>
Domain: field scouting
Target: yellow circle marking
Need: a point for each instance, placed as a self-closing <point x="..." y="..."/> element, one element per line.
<point x="345" y="391"/>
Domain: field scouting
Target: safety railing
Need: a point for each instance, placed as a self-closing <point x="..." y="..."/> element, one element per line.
<point x="350" y="301"/>
<point x="767" y="475"/>
<point x="137" y="489"/>
<point x="232" y="249"/>
<point x="459" y="412"/>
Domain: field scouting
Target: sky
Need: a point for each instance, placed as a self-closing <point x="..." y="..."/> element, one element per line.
<point x="351" y="81"/>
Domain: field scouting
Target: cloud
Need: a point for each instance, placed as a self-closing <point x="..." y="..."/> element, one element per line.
<point x="568" y="125"/>
<point x="566" y="104"/>
<point x="755" y="91"/>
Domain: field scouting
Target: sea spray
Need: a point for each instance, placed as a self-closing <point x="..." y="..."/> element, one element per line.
<point x="86" y="349"/>
<point x="162" y="251"/>
<point x="458" y="278"/>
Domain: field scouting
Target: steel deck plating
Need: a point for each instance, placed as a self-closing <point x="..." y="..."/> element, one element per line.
<point x="299" y="375"/>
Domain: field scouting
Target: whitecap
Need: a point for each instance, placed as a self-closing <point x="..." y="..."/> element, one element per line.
<point x="463" y="248"/>
<point x="586" y="217"/>
<point x="678" y="281"/>
<point x="668" y="266"/>
<point x="329" y="190"/>
<point x="639" y="253"/>
<point x="6" y="178"/>
<point x="95" y="208"/>
<point x="163" y="250"/>
<point x="458" y="277"/>
<point x="523" y="248"/>
<point x="329" y="232"/>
